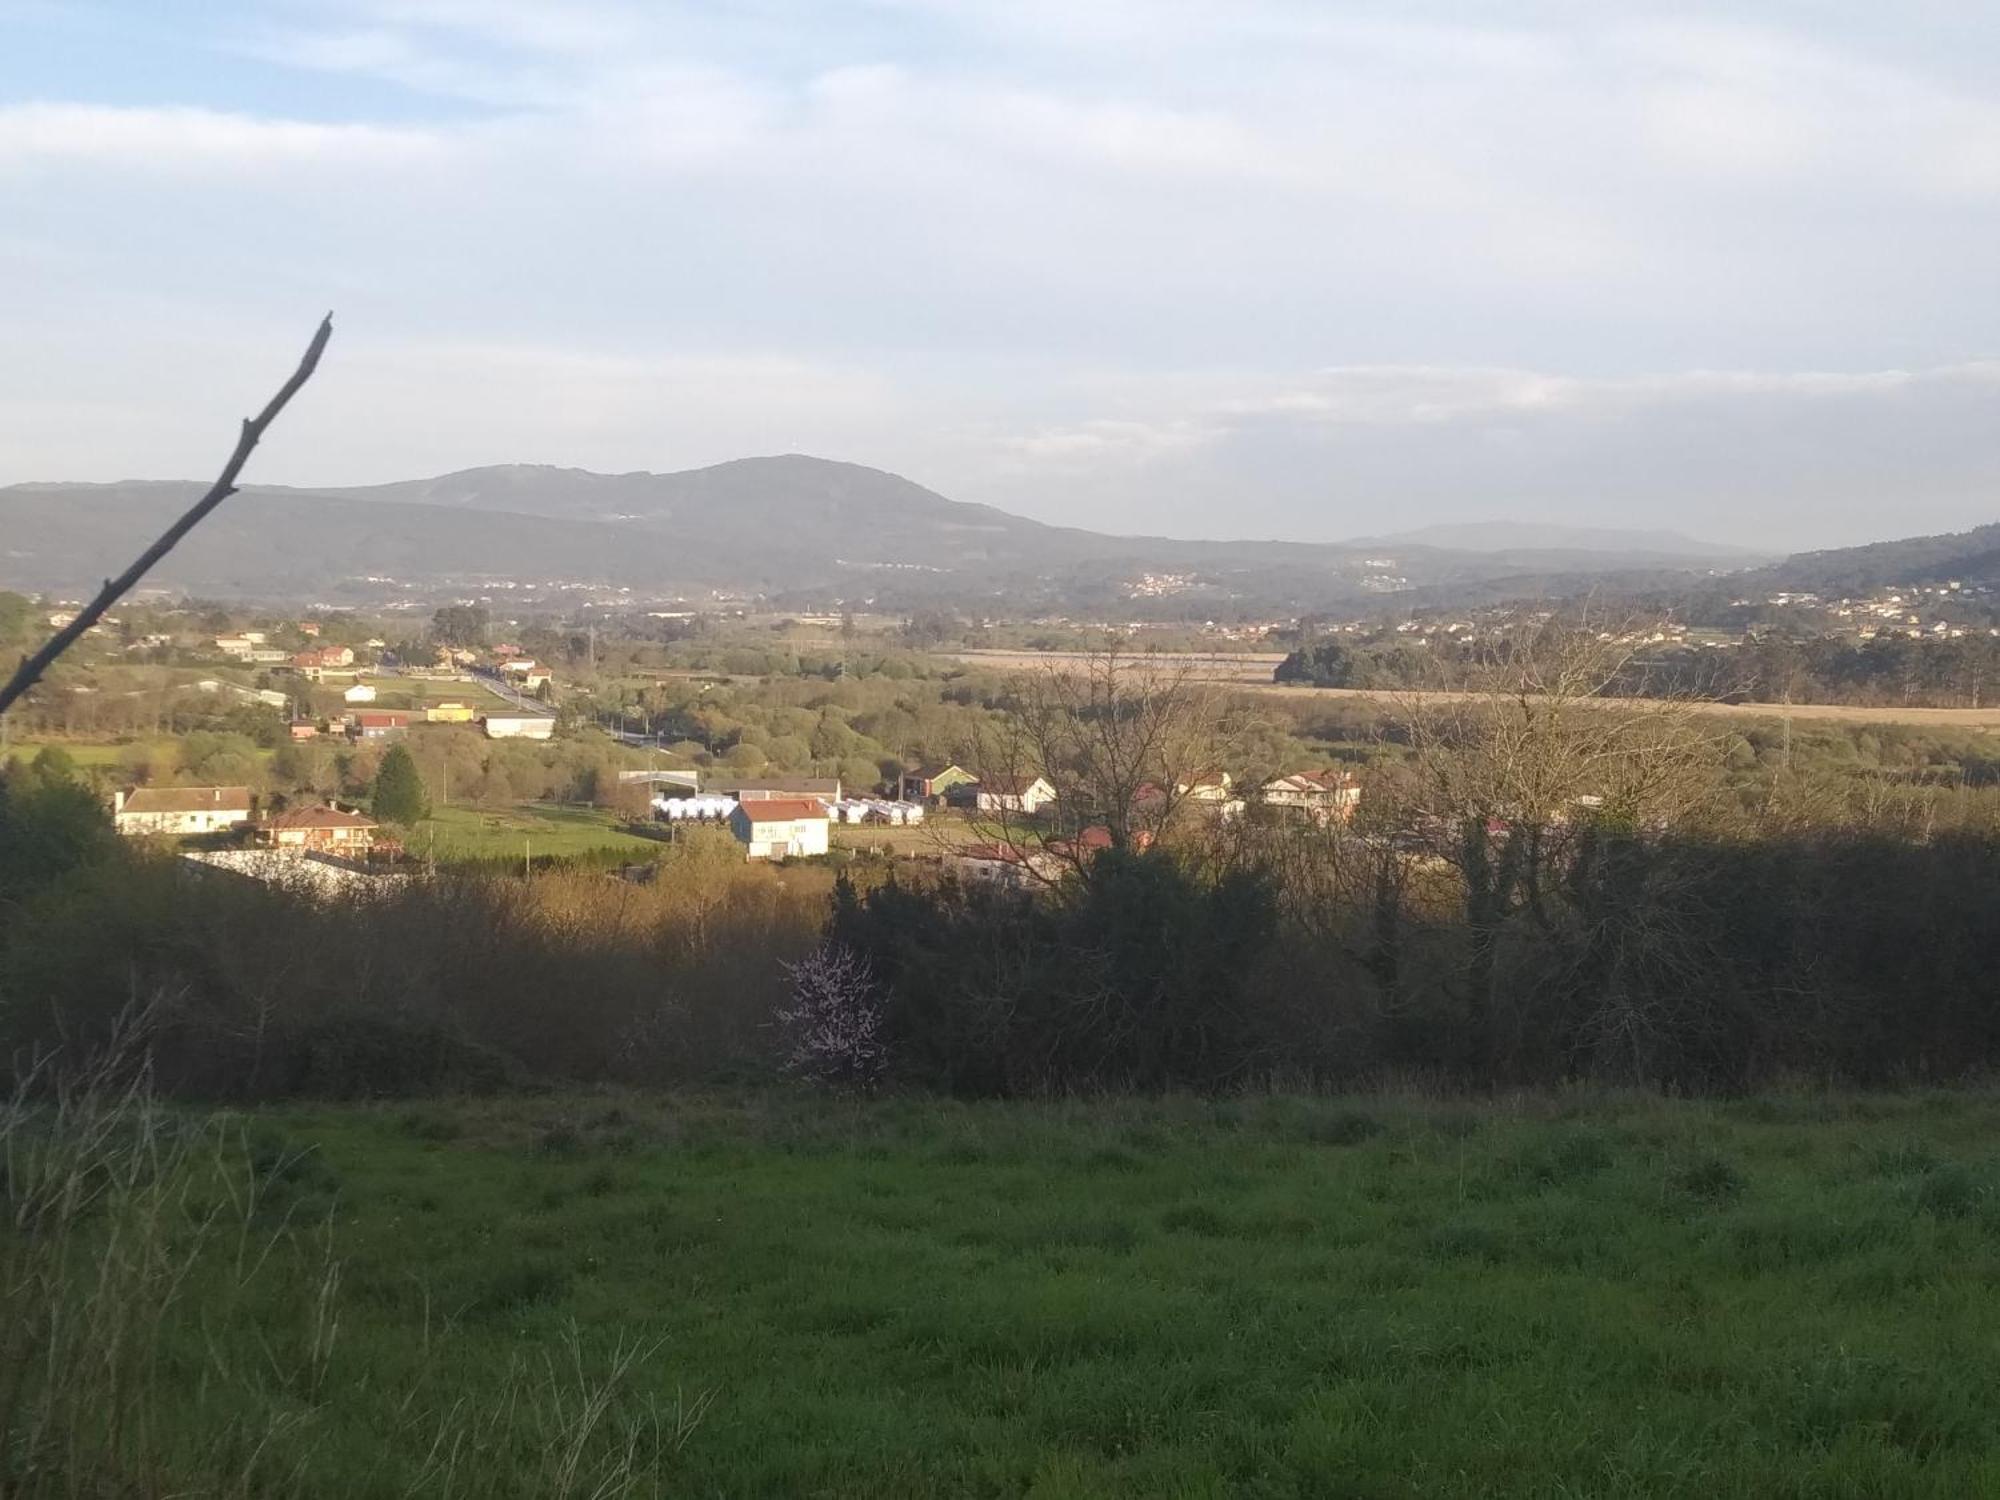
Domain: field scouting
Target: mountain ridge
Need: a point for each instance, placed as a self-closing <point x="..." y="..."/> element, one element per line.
<point x="1505" y="536"/>
<point x="787" y="525"/>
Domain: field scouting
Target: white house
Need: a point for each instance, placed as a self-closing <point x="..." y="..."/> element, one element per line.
<point x="361" y="692"/>
<point x="269" y="697"/>
<point x="780" y="827"/>
<point x="1005" y="865"/>
<point x="1323" y="796"/>
<point x="180" y="809"/>
<point x="519" y="726"/>
<point x="1206" y="786"/>
<point x="1016" y="794"/>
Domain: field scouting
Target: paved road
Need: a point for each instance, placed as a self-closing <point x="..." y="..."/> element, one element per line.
<point x="495" y="683"/>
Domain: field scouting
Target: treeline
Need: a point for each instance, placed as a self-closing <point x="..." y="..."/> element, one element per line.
<point x="1891" y="670"/>
<point x="1591" y="947"/>
<point x="1692" y="964"/>
<point x="462" y="981"/>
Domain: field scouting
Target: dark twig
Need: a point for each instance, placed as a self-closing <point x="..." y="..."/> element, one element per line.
<point x="32" y="667"/>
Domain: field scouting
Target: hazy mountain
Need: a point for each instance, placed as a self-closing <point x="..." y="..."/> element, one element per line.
<point x="794" y="526"/>
<point x="1534" y="536"/>
<point x="1970" y="556"/>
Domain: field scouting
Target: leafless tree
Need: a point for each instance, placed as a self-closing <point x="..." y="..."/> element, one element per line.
<point x="1124" y="739"/>
<point x="1528" y="788"/>
<point x="31" y="668"/>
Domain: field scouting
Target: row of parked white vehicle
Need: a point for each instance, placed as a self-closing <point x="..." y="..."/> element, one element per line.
<point x="714" y="808"/>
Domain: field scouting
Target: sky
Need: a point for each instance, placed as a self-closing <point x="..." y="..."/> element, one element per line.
<point x="1278" y="268"/>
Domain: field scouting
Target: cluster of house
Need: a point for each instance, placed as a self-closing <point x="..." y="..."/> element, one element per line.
<point x="315" y="664"/>
<point x="785" y="816"/>
<point x="777" y="817"/>
<point x="773" y="818"/>
<point x="1324" y="796"/>
<point x="251" y="647"/>
<point x="364" y="724"/>
<point x="187" y="811"/>
<point x="506" y="660"/>
<point x="254" y="648"/>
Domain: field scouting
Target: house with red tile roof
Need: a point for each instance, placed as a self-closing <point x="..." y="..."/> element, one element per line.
<point x="380" y="724"/>
<point x="780" y="827"/>
<point x="330" y="828"/>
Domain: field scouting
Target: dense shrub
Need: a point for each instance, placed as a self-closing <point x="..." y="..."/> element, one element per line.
<point x="1141" y="976"/>
<point x="1706" y="965"/>
<point x="454" y="983"/>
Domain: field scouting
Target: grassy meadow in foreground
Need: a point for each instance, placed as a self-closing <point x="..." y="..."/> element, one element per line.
<point x="781" y="1294"/>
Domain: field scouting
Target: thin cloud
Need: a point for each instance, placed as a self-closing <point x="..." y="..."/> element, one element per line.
<point x="182" y="137"/>
<point x="1139" y="263"/>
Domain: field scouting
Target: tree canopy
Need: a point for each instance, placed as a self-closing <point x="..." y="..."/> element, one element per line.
<point x="399" y="789"/>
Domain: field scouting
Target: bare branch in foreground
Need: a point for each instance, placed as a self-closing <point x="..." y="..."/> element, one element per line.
<point x="114" y="589"/>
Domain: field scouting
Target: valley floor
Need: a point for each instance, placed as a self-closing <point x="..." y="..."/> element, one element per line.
<point x="1594" y="1296"/>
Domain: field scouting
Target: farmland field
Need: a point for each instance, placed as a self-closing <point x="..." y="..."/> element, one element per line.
<point x="938" y="834"/>
<point x="414" y="693"/>
<point x="85" y="753"/>
<point x="1252" y="672"/>
<point x="1269" y="1296"/>
<point x="537" y="828"/>
<point x="93" y="753"/>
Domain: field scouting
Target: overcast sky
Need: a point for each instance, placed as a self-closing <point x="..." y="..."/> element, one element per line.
<point x="1292" y="268"/>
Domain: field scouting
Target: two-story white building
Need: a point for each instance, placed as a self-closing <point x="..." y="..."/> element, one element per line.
<point x="522" y="726"/>
<point x="1323" y="796"/>
<point x="780" y="827"/>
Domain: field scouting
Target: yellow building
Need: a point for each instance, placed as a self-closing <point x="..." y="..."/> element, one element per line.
<point x="449" y="713"/>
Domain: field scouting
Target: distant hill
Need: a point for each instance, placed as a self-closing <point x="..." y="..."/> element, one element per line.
<point x="1970" y="556"/>
<point x="792" y="528"/>
<point x="1529" y="536"/>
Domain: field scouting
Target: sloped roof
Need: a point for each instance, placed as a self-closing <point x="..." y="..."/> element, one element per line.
<point x="187" y="799"/>
<point x="1010" y="786"/>
<point x="782" y="809"/>
<point x="317" y="817"/>
<point x="762" y="788"/>
<point x="1001" y="854"/>
<point x="1326" y="781"/>
<point x="1329" y="778"/>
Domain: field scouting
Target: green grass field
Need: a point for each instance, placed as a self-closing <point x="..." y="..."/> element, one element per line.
<point x="108" y="754"/>
<point x="412" y="693"/>
<point x="85" y="753"/>
<point x="1269" y="1297"/>
<point x="474" y="833"/>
